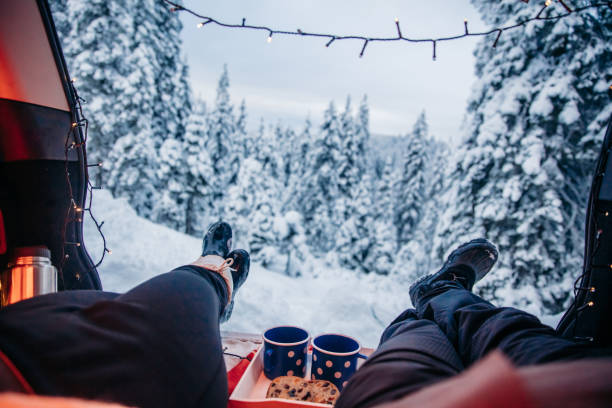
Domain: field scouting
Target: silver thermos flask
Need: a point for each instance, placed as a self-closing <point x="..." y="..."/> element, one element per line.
<point x="29" y="274"/>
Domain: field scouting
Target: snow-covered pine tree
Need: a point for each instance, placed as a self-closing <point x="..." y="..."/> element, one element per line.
<point x="354" y="206"/>
<point x="125" y="56"/>
<point x="437" y="181"/>
<point x="134" y="171"/>
<point x="298" y="154"/>
<point x="319" y="192"/>
<point x="355" y="237"/>
<point x="362" y="132"/>
<point x="171" y="207"/>
<point x="535" y="119"/>
<point x="383" y="231"/>
<point x="61" y="18"/>
<point x="254" y="204"/>
<point x="409" y="189"/>
<point x="288" y="138"/>
<point x="352" y="154"/>
<point x="225" y="158"/>
<point x="199" y="208"/>
<point x="243" y="140"/>
<point x="135" y="84"/>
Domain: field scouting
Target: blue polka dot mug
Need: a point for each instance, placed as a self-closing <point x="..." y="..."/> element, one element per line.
<point x="334" y="358"/>
<point x="284" y="352"/>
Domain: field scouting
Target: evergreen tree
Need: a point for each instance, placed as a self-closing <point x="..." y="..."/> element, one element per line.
<point x="535" y="119"/>
<point x="362" y="130"/>
<point x="254" y="203"/>
<point x="351" y="153"/>
<point x="354" y="206"/>
<point x="244" y="142"/>
<point x="171" y="208"/>
<point x="199" y="208"/>
<point x="134" y="171"/>
<point x="320" y="190"/>
<point x="132" y="77"/>
<point x="125" y="55"/>
<point x="285" y="138"/>
<point x="298" y="153"/>
<point x="383" y="232"/>
<point x="410" y="185"/>
<point x="355" y="237"/>
<point x="221" y="131"/>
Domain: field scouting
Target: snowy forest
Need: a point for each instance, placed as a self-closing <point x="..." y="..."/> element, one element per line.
<point x="520" y="175"/>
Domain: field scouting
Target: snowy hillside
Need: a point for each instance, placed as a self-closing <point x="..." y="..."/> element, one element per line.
<point x="337" y="301"/>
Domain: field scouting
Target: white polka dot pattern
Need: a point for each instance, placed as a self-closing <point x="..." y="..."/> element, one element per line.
<point x="298" y="362"/>
<point x="347" y="364"/>
<point x="290" y="372"/>
<point x="320" y="371"/>
<point x="328" y="363"/>
<point x="291" y="354"/>
<point x="337" y="374"/>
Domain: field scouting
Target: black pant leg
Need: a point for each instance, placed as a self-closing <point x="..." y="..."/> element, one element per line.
<point x="157" y="345"/>
<point x="475" y="327"/>
<point x="412" y="354"/>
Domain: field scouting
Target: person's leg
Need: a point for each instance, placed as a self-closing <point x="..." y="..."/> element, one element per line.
<point x="412" y="354"/>
<point x="475" y="327"/>
<point x="157" y="345"/>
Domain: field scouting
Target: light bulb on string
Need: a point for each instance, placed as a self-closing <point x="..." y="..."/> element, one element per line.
<point x="203" y="23"/>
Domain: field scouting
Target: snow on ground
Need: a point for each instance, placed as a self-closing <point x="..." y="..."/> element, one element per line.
<point x="335" y="300"/>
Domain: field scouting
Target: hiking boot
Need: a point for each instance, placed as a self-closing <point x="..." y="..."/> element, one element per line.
<point x="466" y="265"/>
<point x="217" y="240"/>
<point x="240" y="271"/>
<point x="240" y="267"/>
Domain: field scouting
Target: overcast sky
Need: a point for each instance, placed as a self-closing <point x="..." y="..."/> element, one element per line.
<point x="292" y="78"/>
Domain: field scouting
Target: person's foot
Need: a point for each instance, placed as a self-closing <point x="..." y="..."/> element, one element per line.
<point x="466" y="265"/>
<point x="240" y="271"/>
<point x="240" y="267"/>
<point x="217" y="240"/>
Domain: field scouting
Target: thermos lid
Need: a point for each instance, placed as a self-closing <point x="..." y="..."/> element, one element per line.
<point x="39" y="250"/>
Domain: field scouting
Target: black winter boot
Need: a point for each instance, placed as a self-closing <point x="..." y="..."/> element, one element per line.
<point x="240" y="271"/>
<point x="217" y="240"/>
<point x="467" y="264"/>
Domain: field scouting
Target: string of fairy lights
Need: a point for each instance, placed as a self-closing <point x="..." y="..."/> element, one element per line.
<point x="331" y="38"/>
<point x="74" y="213"/>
